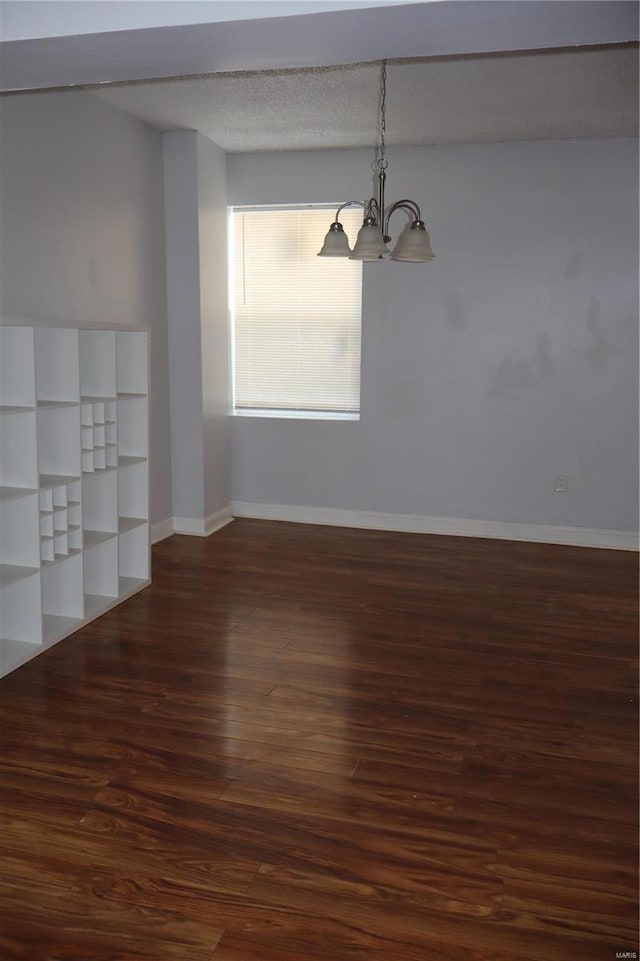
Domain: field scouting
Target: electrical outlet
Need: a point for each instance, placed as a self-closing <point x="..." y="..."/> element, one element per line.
<point x="561" y="483"/>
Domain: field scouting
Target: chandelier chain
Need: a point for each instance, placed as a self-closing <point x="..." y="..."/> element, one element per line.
<point x="380" y="161"/>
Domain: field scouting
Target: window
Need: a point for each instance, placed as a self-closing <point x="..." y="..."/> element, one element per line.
<point x="296" y="316"/>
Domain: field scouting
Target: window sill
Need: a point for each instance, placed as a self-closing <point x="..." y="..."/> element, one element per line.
<point x="296" y="414"/>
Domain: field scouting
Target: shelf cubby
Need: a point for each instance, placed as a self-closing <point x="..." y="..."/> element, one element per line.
<point x="58" y="433"/>
<point x="62" y="591"/>
<point x="100" y="502"/>
<point x="60" y="496"/>
<point x="100" y="574"/>
<point x="75" y="538"/>
<point x="47" y="555"/>
<point x="19" y="534"/>
<point x="133" y="489"/>
<point x="17" y="368"/>
<point x="60" y="519"/>
<point x="57" y="364"/>
<point x="133" y="427"/>
<point x="60" y="544"/>
<point x="62" y="598"/>
<point x="46" y="524"/>
<point x="133" y="546"/>
<point x="18" y="450"/>
<point x="132" y="362"/>
<point x="20" y="606"/>
<point x="97" y="363"/>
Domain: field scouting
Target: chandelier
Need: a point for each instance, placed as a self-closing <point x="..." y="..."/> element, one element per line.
<point x="413" y="243"/>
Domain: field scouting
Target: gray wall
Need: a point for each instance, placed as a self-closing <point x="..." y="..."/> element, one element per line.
<point x="82" y="232"/>
<point x="509" y="359"/>
<point x="195" y="214"/>
<point x="183" y="311"/>
<point x="212" y="202"/>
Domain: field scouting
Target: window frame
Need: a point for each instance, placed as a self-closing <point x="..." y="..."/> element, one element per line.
<point x="265" y="413"/>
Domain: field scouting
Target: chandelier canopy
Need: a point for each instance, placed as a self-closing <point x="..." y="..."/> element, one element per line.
<point x="413" y="244"/>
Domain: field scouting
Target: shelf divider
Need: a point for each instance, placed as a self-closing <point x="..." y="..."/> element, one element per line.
<point x="129" y="585"/>
<point x="14" y="654"/>
<point x="56" y="480"/>
<point x="10" y="573"/>
<point x="10" y="493"/>
<point x="60" y="558"/>
<point x="91" y="538"/>
<point x="97" y="603"/>
<point x="55" y="627"/>
<point x="129" y="523"/>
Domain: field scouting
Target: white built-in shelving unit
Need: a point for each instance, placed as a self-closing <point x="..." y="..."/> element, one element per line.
<point x="74" y="505"/>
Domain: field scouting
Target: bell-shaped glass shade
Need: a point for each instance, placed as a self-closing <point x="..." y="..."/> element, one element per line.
<point x="413" y="244"/>
<point x="336" y="242"/>
<point x="370" y="244"/>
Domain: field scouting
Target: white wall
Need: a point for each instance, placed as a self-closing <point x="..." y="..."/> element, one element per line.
<point x="195" y="214"/>
<point x="183" y="312"/>
<point x="509" y="359"/>
<point x="58" y="18"/>
<point x="212" y="201"/>
<point x="82" y="232"/>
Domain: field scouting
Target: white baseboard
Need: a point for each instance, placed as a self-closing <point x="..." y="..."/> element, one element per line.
<point x="218" y="520"/>
<point x="161" y="530"/>
<point x="191" y="525"/>
<point x="455" y="526"/>
<point x="203" y="527"/>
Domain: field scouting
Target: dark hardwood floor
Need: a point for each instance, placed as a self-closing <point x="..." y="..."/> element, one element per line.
<point x="306" y="743"/>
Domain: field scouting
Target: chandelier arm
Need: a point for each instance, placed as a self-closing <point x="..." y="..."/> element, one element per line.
<point x="373" y="211"/>
<point x="352" y="203"/>
<point x="410" y="205"/>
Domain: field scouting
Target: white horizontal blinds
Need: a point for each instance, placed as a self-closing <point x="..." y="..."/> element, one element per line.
<point x="296" y="315"/>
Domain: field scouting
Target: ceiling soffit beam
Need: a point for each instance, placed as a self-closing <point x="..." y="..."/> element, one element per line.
<point x="321" y="39"/>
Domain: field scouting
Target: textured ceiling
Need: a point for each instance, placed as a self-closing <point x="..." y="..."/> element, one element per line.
<point x="589" y="92"/>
